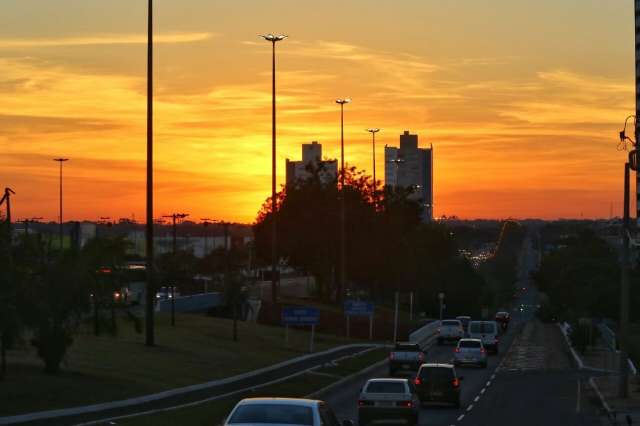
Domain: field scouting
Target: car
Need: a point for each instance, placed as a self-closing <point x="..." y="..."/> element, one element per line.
<point x="450" y="330"/>
<point x="470" y="351"/>
<point x="405" y="357"/>
<point x="388" y="400"/>
<point x="283" y="411"/>
<point x="487" y="332"/>
<point x="438" y="383"/>
<point x="503" y="318"/>
<point x="165" y="293"/>
<point x="465" y="320"/>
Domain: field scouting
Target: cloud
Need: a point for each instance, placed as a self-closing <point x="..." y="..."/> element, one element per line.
<point x="102" y="39"/>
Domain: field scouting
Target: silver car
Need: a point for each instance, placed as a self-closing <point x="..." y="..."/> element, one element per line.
<point x="385" y="400"/>
<point x="283" y="411"/>
<point x="470" y="351"/>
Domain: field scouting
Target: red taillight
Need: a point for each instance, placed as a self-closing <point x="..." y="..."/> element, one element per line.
<point x="482" y="350"/>
<point x="361" y="403"/>
<point x="456" y="382"/>
<point x="407" y="404"/>
<point x="457" y="349"/>
<point x="495" y="339"/>
<point x="421" y="356"/>
<point x="417" y="381"/>
<point x="391" y="355"/>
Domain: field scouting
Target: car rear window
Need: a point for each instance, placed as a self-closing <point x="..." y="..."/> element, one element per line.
<point x="273" y="413"/>
<point x="469" y="344"/>
<point x="482" y="327"/>
<point x="385" y="387"/>
<point x="451" y="323"/>
<point x="407" y="347"/>
<point x="436" y="374"/>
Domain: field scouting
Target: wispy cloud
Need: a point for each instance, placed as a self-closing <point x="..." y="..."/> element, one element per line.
<point x="102" y="39"/>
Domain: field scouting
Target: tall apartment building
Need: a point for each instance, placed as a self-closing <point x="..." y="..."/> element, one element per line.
<point x="311" y="156"/>
<point x="411" y="167"/>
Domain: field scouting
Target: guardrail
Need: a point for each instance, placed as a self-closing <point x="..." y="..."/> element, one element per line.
<point x="609" y="336"/>
<point x="424" y="332"/>
<point x="194" y="303"/>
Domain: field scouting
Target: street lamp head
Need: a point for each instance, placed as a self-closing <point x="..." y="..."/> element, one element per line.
<point x="61" y="159"/>
<point x="373" y="130"/>
<point x="343" y="101"/>
<point x="273" y="37"/>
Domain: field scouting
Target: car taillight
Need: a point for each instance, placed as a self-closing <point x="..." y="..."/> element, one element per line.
<point x="421" y="356"/>
<point x="495" y="339"/>
<point x="482" y="350"/>
<point x="438" y="331"/>
<point x="362" y="403"/>
<point x="417" y="381"/>
<point x="407" y="404"/>
<point x="456" y="382"/>
<point x="457" y="349"/>
<point x="391" y="356"/>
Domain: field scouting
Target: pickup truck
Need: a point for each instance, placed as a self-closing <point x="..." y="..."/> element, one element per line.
<point x="406" y="358"/>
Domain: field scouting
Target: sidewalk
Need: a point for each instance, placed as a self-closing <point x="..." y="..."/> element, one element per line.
<point x="603" y="358"/>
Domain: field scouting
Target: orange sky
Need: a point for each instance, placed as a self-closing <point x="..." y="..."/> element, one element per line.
<point x="522" y="102"/>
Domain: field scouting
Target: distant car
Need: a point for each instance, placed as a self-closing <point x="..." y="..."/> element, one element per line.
<point x="438" y="383"/>
<point x="470" y="351"/>
<point x="465" y="320"/>
<point x="450" y="330"/>
<point x="388" y="400"/>
<point x="487" y="332"/>
<point x="165" y="293"/>
<point x="503" y="318"/>
<point x="283" y="411"/>
<point x="405" y="358"/>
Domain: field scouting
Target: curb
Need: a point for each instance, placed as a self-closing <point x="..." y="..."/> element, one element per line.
<point x="93" y="408"/>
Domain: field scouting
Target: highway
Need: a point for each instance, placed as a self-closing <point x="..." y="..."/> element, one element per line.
<point x="530" y="382"/>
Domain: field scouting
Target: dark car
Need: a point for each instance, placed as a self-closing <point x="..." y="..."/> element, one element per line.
<point x="405" y="358"/>
<point x="503" y="318"/>
<point x="438" y="383"/>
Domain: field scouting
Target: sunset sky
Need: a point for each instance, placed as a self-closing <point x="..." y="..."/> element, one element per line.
<point x="522" y="100"/>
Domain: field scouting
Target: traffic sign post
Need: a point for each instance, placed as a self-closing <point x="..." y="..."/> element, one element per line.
<point x="301" y="317"/>
<point x="442" y="306"/>
<point x="357" y="308"/>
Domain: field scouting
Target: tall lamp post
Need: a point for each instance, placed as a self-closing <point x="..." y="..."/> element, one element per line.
<point x="343" y="220"/>
<point x="273" y="39"/>
<point x="60" y="161"/>
<point x="150" y="290"/>
<point x="373" y="132"/>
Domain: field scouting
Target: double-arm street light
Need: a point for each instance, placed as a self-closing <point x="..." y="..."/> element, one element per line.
<point x="343" y="220"/>
<point x="60" y="161"/>
<point x="273" y="39"/>
<point x="373" y="132"/>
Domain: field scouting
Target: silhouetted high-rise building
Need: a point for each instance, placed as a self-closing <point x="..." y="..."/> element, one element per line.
<point x="411" y="167"/>
<point x="311" y="158"/>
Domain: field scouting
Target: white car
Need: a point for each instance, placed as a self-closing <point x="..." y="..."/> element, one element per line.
<point x="388" y="400"/>
<point x="283" y="411"/>
<point x="470" y="351"/>
<point x="487" y="332"/>
<point x="450" y="330"/>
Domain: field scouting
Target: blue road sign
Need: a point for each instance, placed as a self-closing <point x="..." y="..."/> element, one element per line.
<point x="300" y="316"/>
<point x="353" y="308"/>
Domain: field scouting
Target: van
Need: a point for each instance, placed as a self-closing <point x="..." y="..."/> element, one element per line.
<point x="487" y="332"/>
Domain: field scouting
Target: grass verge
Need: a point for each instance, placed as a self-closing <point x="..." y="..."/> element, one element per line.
<point x="105" y="368"/>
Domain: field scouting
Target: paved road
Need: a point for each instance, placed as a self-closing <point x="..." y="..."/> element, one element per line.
<point x="530" y="382"/>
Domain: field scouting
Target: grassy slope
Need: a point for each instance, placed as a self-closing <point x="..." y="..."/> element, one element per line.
<point x="104" y="368"/>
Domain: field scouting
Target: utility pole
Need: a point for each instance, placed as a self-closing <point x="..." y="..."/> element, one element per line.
<point x="373" y="132"/>
<point x="174" y="217"/>
<point x="623" y="391"/>
<point x="343" y="214"/>
<point x="150" y="289"/>
<point x="273" y="39"/>
<point x="637" y="74"/>
<point x="206" y="222"/>
<point x="6" y="198"/>
<point x="60" y="160"/>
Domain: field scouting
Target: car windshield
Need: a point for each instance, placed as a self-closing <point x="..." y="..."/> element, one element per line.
<point x="482" y="327"/>
<point x="469" y="344"/>
<point x="451" y="323"/>
<point x="385" y="387"/>
<point x="273" y="413"/>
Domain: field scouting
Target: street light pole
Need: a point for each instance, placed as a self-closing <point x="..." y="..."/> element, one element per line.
<point x="373" y="132"/>
<point x="273" y="39"/>
<point x="150" y="291"/>
<point x="343" y="220"/>
<point x="60" y="161"/>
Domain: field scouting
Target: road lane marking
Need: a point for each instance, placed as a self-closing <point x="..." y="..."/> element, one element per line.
<point x="470" y="407"/>
<point x="578" y="398"/>
<point x="483" y="391"/>
<point x="489" y="383"/>
<point x="461" y="417"/>
<point x="476" y="399"/>
<point x="493" y="376"/>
